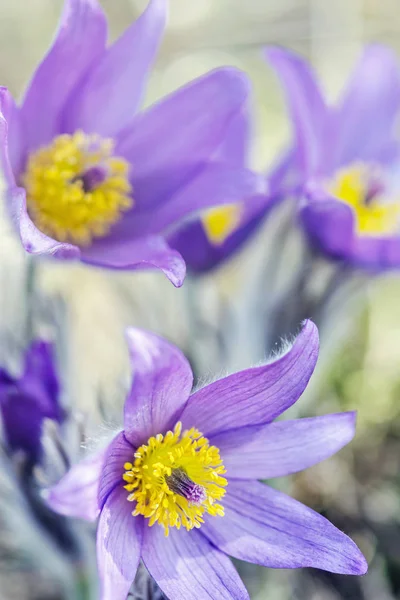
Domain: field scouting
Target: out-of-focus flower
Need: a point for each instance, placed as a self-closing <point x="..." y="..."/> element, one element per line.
<point x="213" y="238"/>
<point x="178" y="486"/>
<point x="27" y="400"/>
<point x="91" y="178"/>
<point x="349" y="157"/>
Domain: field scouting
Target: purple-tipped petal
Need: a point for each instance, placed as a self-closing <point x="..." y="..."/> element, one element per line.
<point x="168" y="143"/>
<point x="264" y="526"/>
<point x="234" y="149"/>
<point x="367" y="114"/>
<point x="119" y="77"/>
<point x="118" y="453"/>
<point x="255" y="396"/>
<point x="11" y="138"/>
<point x="162" y="380"/>
<point x="76" y="494"/>
<point x="185" y="565"/>
<point x="119" y="541"/>
<point x="283" y="447"/>
<point x="306" y="105"/>
<point x="33" y="240"/>
<point x="151" y="252"/>
<point x="80" y="40"/>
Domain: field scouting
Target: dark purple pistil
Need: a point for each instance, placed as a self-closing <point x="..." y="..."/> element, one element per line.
<point x="179" y="483"/>
<point x="92" y="178"/>
<point x="376" y="187"/>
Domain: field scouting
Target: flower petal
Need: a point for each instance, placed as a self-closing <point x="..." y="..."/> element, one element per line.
<point x="264" y="526"/>
<point x="369" y="108"/>
<point x="119" y="452"/>
<point x="151" y="252"/>
<point x="255" y="396"/>
<point x="307" y="107"/>
<point x="80" y="40"/>
<point x="119" y="77"/>
<point x="283" y="447"/>
<point x="186" y="565"/>
<point x="11" y="137"/>
<point x="162" y="380"/>
<point x="33" y="240"/>
<point x="75" y="495"/>
<point x="119" y="540"/>
<point x="169" y="142"/>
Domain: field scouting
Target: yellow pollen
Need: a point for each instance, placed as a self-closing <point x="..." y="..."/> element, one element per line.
<point x="175" y="479"/>
<point x="374" y="215"/>
<point x="221" y="221"/>
<point x="76" y="189"/>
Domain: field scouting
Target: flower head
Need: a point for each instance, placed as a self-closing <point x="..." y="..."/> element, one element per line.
<point x="348" y="156"/>
<point x="89" y="176"/>
<point x="27" y="400"/>
<point x="178" y="487"/>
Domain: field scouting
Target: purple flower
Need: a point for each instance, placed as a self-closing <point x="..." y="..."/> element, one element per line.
<point x="27" y="400"/>
<point x="187" y="465"/>
<point x="91" y="178"/>
<point x="349" y="157"/>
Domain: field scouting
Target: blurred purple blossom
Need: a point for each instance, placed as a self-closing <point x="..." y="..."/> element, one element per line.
<point x="348" y="157"/>
<point x="236" y="414"/>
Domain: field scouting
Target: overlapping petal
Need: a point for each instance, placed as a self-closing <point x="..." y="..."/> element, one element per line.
<point x="266" y="527"/>
<point x="255" y="396"/>
<point x="119" y="540"/>
<point x="117" y="454"/>
<point x="162" y="380"/>
<point x="283" y="447"/>
<point x="186" y="565"/>
<point x="76" y="494"/>
<point x="80" y="40"/>
<point x="118" y="77"/>
<point x="11" y="137"/>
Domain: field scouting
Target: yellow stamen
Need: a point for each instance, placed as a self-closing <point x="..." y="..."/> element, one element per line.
<point x="76" y="189"/>
<point x="175" y="478"/>
<point x="221" y="221"/>
<point x="374" y="215"/>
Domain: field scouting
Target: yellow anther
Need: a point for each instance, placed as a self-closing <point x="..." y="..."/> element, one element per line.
<point x="76" y="189"/>
<point x="176" y="479"/>
<point x="374" y="215"/>
<point x="221" y="221"/>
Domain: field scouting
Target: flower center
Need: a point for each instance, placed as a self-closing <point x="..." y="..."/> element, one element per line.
<point x="363" y="188"/>
<point x="76" y="189"/>
<point x="175" y="479"/>
<point x="220" y="222"/>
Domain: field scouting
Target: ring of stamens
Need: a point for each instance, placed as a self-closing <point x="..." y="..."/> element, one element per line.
<point x="362" y="187"/>
<point x="175" y="479"/>
<point x="76" y="188"/>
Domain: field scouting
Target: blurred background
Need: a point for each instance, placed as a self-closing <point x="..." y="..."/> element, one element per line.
<point x="359" y="489"/>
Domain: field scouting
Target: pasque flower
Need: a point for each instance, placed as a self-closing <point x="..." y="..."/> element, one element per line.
<point x="178" y="487"/>
<point x="349" y="157"/>
<point x="28" y="399"/>
<point x="89" y="176"/>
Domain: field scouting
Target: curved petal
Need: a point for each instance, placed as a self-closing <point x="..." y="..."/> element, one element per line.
<point x="75" y="495"/>
<point x="283" y="447"/>
<point x="186" y="565"/>
<point x="80" y="40"/>
<point x="162" y="380"/>
<point x="367" y="113"/>
<point x="118" y="77"/>
<point x="151" y="252"/>
<point x="215" y="184"/>
<point x="167" y="143"/>
<point x="200" y="254"/>
<point x="33" y="240"/>
<point x="255" y="396"/>
<point x="234" y="149"/>
<point x="264" y="526"/>
<point x="119" y="541"/>
<point x="11" y="138"/>
<point x="307" y="108"/>
<point x="119" y="452"/>
<point x="40" y="379"/>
